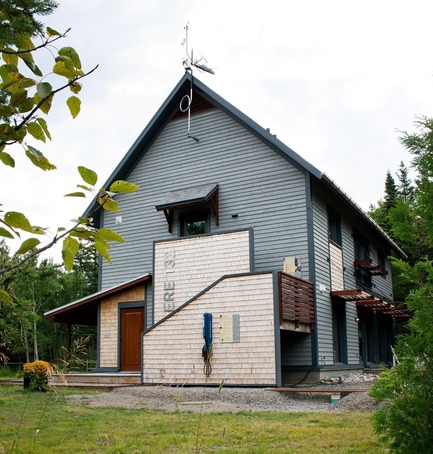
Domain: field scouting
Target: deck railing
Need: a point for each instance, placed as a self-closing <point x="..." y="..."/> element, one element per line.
<point x="296" y="300"/>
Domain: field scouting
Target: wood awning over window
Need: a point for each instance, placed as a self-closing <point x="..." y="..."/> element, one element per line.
<point x="369" y="301"/>
<point x="367" y="266"/>
<point x="184" y="198"/>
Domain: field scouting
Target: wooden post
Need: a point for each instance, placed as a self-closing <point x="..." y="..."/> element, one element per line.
<point x="68" y="347"/>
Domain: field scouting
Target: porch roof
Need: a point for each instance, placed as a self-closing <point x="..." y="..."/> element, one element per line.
<point x="85" y="310"/>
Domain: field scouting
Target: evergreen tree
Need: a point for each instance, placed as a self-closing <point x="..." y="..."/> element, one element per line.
<point x="405" y="188"/>
<point x="405" y="419"/>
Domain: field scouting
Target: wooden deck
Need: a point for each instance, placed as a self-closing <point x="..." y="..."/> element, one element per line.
<point x="336" y="393"/>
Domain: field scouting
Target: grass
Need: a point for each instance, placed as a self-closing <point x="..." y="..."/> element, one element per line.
<point x="45" y="422"/>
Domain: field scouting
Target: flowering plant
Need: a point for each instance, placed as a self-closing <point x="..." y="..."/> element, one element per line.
<point x="37" y="375"/>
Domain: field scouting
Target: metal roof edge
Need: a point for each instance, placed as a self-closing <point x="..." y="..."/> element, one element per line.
<point x="255" y="128"/>
<point x="162" y="116"/>
<point x="331" y="183"/>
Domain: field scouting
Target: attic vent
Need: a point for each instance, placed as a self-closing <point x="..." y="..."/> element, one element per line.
<point x="199" y="104"/>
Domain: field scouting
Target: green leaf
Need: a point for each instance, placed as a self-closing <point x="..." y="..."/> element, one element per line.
<point x="102" y="247"/>
<point x="46" y="106"/>
<point x="17" y="220"/>
<point x="38" y="159"/>
<point x="88" y="175"/>
<point x="69" y="250"/>
<point x="10" y="59"/>
<point x="5" y="297"/>
<point x="36" y="131"/>
<point x="108" y="235"/>
<point x="86" y="188"/>
<point x="32" y="66"/>
<point x="72" y="54"/>
<point x="27" y="245"/>
<point x="6" y="110"/>
<point x="74" y="105"/>
<point x="108" y="204"/>
<point x="44" y="126"/>
<point x="18" y="97"/>
<point x="75" y="194"/>
<point x="5" y="233"/>
<point x="8" y="72"/>
<point x="52" y="32"/>
<point x="123" y="186"/>
<point x="75" y="87"/>
<point x="7" y="159"/>
<point x="27" y="105"/>
<point x="82" y="232"/>
<point x="44" y="89"/>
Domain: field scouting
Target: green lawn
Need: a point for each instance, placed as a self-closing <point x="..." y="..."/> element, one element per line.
<point x="46" y="423"/>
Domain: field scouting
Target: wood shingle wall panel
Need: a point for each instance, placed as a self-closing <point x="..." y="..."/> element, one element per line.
<point x="185" y="267"/>
<point x="108" y="341"/>
<point x="172" y="350"/>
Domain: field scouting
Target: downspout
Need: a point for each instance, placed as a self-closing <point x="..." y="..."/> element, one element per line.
<point x="312" y="268"/>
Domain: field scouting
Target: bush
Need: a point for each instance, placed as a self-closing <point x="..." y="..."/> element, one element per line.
<point x="405" y="419"/>
<point x="37" y="375"/>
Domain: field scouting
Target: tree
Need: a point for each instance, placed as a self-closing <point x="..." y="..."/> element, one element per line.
<point x="26" y="96"/>
<point x="405" y="419"/>
<point x="25" y="334"/>
<point x="405" y="188"/>
<point x="381" y="213"/>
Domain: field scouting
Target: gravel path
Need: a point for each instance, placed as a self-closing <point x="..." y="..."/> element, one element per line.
<point x="196" y="399"/>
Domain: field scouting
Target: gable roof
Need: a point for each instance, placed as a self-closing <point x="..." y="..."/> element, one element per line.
<point x="171" y="108"/>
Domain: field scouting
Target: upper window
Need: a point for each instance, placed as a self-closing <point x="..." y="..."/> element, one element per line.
<point x="381" y="259"/>
<point x="334" y="226"/>
<point x="194" y="223"/>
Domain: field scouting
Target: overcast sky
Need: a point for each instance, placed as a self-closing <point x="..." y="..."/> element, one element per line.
<point x="334" y="80"/>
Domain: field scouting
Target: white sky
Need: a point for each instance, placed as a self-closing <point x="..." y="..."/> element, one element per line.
<point x="334" y="80"/>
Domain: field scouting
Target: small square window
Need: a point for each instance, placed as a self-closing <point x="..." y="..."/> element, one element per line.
<point x="194" y="223"/>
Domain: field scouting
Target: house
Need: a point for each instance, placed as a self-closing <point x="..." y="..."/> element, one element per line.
<point x="243" y="262"/>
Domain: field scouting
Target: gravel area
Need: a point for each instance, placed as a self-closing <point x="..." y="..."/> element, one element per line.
<point x="199" y="399"/>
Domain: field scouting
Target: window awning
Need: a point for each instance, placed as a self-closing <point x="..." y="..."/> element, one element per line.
<point x="183" y="198"/>
<point x="368" y="301"/>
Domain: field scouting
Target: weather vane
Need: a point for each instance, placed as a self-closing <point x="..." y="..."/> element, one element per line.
<point x="188" y="64"/>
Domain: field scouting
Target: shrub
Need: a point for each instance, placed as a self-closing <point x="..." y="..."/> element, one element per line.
<point x="37" y="375"/>
<point x="405" y="419"/>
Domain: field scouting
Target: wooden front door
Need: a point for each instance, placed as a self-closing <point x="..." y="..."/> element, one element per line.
<point x="131" y="327"/>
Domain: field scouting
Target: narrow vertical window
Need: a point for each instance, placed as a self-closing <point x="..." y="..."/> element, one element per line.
<point x="339" y="333"/>
<point x="381" y="259"/>
<point x="334" y="226"/>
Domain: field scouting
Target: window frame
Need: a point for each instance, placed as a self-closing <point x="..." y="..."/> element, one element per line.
<point x="334" y="226"/>
<point x="191" y="216"/>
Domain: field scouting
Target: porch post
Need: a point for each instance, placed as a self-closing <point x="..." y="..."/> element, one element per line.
<point x="68" y="347"/>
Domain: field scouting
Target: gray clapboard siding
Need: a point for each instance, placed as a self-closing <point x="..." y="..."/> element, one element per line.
<point x="323" y="302"/>
<point x="265" y="190"/>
